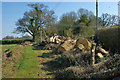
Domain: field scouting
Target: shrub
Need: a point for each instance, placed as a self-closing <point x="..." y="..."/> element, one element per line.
<point x="109" y="38"/>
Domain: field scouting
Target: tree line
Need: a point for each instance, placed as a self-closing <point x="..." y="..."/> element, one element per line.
<point x="71" y="24"/>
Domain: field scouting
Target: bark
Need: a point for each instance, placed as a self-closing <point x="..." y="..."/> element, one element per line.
<point x="33" y="38"/>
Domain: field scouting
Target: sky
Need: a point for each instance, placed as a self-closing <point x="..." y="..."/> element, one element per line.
<point x="12" y="11"/>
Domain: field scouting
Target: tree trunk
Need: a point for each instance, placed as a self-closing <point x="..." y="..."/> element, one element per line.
<point x="33" y="39"/>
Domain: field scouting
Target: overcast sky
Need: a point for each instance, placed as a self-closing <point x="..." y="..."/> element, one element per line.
<point x="12" y="11"/>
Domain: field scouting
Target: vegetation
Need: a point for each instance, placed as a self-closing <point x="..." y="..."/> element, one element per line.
<point x="25" y="62"/>
<point x="74" y="24"/>
<point x="13" y="41"/>
<point x="108" y="20"/>
<point x="11" y="63"/>
<point x="23" y="37"/>
<point x="30" y="60"/>
<point x="71" y="24"/>
<point x="34" y="20"/>
<point x="28" y="64"/>
<point x="109" y="38"/>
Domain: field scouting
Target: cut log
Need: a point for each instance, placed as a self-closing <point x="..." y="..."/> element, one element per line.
<point x="100" y="55"/>
<point x="93" y="53"/>
<point x="66" y="46"/>
<point x="84" y="42"/>
<point x="57" y="40"/>
<point x="103" y="51"/>
<point x="80" y="46"/>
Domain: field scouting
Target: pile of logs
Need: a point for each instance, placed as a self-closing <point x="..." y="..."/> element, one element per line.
<point x="84" y="45"/>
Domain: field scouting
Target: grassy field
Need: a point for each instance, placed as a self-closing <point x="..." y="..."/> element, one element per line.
<point x="26" y="62"/>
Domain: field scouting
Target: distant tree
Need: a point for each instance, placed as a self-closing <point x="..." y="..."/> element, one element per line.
<point x="26" y="37"/>
<point x="34" y="20"/>
<point x="80" y="23"/>
<point x="85" y="24"/>
<point x="84" y="12"/>
<point x="53" y="29"/>
<point x="108" y="20"/>
<point x="66" y="22"/>
<point x="9" y="37"/>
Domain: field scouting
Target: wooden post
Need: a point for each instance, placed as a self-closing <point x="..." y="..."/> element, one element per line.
<point x="96" y="14"/>
<point x="93" y="53"/>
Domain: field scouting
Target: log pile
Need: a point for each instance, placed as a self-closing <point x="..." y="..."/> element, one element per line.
<point x="80" y="43"/>
<point x="106" y="68"/>
<point x="67" y="45"/>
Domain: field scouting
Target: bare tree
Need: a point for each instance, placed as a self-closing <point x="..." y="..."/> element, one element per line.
<point x="34" y="20"/>
<point x="108" y="20"/>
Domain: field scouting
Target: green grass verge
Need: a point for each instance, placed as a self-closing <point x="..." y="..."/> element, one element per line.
<point x="28" y="65"/>
<point x="7" y="48"/>
<point x="11" y="64"/>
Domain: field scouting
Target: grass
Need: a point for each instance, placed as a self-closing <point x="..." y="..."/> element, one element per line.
<point x="7" y="48"/>
<point x="28" y="65"/>
<point x="25" y="62"/>
<point x="12" y="63"/>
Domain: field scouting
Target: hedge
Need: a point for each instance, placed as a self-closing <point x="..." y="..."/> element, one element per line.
<point x="13" y="41"/>
<point x="109" y="38"/>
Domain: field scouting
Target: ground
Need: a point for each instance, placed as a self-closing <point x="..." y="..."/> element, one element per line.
<point x="26" y="62"/>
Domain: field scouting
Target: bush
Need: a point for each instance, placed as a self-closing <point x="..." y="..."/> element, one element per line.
<point x="109" y="38"/>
